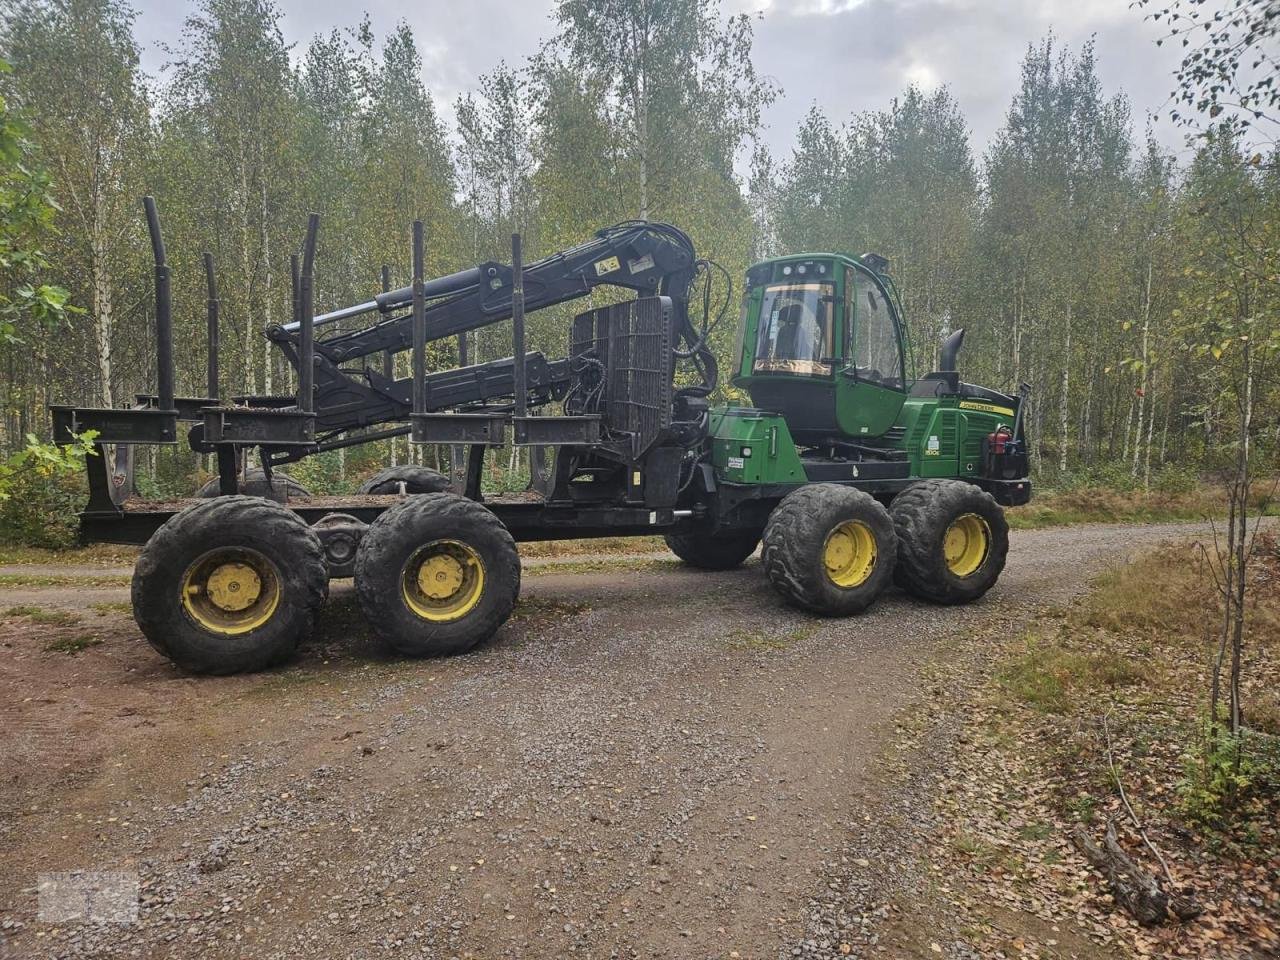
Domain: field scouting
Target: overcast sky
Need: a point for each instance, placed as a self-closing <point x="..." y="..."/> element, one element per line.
<point x="845" y="55"/>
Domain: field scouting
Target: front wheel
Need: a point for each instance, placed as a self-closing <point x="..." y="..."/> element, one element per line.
<point x="436" y="574"/>
<point x="829" y="549"/>
<point x="952" y="540"/>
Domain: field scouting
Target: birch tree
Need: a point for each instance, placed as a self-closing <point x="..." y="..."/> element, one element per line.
<point x="77" y="79"/>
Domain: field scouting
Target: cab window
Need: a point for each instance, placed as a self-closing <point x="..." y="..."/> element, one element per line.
<point x="877" y="352"/>
<point x="795" y="329"/>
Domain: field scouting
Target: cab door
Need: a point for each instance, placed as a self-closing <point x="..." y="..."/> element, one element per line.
<point x="872" y="386"/>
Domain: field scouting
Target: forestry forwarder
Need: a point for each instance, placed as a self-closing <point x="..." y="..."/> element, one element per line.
<point x="851" y="472"/>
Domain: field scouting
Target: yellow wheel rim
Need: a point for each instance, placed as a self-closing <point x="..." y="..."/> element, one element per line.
<point x="443" y="581"/>
<point x="231" y="590"/>
<point x="850" y="554"/>
<point x="966" y="544"/>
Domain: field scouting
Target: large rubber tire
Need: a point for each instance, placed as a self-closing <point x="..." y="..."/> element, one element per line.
<point x="796" y="541"/>
<point x="415" y="479"/>
<point x="229" y="527"/>
<point x="708" y="552"/>
<point x="254" y="484"/>
<point x="393" y="548"/>
<point x="922" y="515"/>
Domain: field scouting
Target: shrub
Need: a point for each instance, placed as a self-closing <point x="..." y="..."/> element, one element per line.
<point x="42" y="488"/>
<point x="42" y="511"/>
<point x="1175" y="478"/>
<point x="1223" y="775"/>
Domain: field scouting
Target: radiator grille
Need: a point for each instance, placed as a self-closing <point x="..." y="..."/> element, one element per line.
<point x="632" y="341"/>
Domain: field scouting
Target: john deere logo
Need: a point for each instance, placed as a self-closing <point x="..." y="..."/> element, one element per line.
<point x="985" y="407"/>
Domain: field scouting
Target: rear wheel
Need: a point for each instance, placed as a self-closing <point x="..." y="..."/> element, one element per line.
<point x="952" y="540"/>
<point x="722" y="552"/>
<point x="436" y="574"/>
<point x="829" y="549"/>
<point x="254" y="484"/>
<point x="229" y="585"/>
<point x="412" y="478"/>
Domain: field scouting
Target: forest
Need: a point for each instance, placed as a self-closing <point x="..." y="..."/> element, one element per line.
<point x="1137" y="296"/>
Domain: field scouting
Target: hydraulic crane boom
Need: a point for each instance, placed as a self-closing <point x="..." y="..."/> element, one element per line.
<point x="648" y="257"/>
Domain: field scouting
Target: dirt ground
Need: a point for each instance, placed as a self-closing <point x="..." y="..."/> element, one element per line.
<point x="647" y="761"/>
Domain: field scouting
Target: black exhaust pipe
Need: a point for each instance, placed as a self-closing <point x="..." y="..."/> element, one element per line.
<point x="950" y="350"/>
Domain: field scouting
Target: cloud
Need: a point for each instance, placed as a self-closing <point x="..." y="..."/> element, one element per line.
<point x="845" y="55"/>
<point x="851" y="57"/>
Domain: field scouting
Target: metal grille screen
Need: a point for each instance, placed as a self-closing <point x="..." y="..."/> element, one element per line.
<point x="633" y="341"/>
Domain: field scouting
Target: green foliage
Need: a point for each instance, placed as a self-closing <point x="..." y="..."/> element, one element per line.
<point x="76" y="79"/>
<point x="323" y="474"/>
<point x="1175" y="478"/>
<point x="1229" y="63"/>
<point x="41" y="492"/>
<point x="27" y="211"/>
<point x="39" y="615"/>
<point x="1050" y="674"/>
<point x="1224" y="776"/>
<point x="74" y="644"/>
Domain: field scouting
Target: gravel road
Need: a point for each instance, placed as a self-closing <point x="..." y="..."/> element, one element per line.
<point x="648" y="761"/>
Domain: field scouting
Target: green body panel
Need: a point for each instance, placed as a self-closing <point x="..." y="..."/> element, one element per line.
<point x="943" y="436"/>
<point x="866" y="409"/>
<point x="748" y="446"/>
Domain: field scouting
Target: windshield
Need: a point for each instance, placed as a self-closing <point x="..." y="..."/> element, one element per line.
<point x="795" y="329"/>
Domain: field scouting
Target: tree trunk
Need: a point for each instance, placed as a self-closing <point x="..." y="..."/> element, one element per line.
<point x="268" y="356"/>
<point x="1146" y="456"/>
<point x="1145" y="380"/>
<point x="1240" y="558"/>
<point x="1017" y="339"/>
<point x="1066" y="385"/>
<point x="246" y="284"/>
<point x="103" y="305"/>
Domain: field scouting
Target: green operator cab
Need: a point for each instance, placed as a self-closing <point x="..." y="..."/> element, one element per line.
<point x="821" y="345"/>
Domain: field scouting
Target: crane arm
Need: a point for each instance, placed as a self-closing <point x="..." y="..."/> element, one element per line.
<point x="647" y="257"/>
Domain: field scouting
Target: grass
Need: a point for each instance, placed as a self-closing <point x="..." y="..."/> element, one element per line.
<point x="51" y="580"/>
<point x="39" y="615"/>
<point x="975" y="848"/>
<point x="107" y="608"/>
<point x="1037" y="831"/>
<point x="1058" y="508"/>
<point x="1050" y="674"/>
<point x="1112" y="692"/>
<point x="1137" y="620"/>
<point x="1138" y="649"/>
<point x="98" y="553"/>
<point x="1167" y="594"/>
<point x="73" y="645"/>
